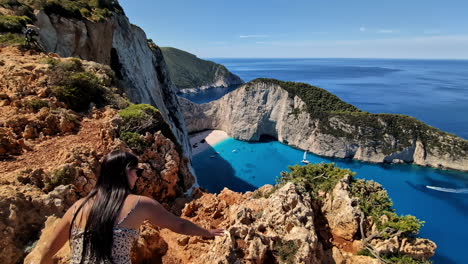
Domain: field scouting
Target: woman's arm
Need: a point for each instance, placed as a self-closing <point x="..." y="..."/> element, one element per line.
<point x="58" y="239"/>
<point x="159" y="216"/>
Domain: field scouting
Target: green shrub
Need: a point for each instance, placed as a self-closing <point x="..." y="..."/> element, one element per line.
<point x="62" y="176"/>
<point x="374" y="202"/>
<point x="85" y="12"/>
<point x="285" y="250"/>
<point x="364" y="252"/>
<point x="11" y="39"/>
<point x="18" y="8"/>
<point x="133" y="140"/>
<point x="73" y="85"/>
<point x="404" y="259"/>
<point x="14" y="24"/>
<point x="408" y="224"/>
<point x="140" y="118"/>
<point x="65" y="9"/>
<point x="9" y="4"/>
<point x="314" y="177"/>
<point x="69" y="65"/>
<point x="372" y="197"/>
<point x="78" y="90"/>
<point x="95" y="10"/>
<point x="49" y="60"/>
<point x="36" y="104"/>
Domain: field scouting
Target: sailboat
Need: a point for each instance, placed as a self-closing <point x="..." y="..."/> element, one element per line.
<point x="304" y="159"/>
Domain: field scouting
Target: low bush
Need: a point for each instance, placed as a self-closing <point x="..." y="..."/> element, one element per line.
<point x="133" y="140"/>
<point x="404" y="259"/>
<point x="11" y="39"/>
<point x="62" y="176"/>
<point x="314" y="177"/>
<point x="78" y="90"/>
<point x="95" y="10"/>
<point x="374" y="202"/>
<point x="18" y="8"/>
<point x="13" y="24"/>
<point x="140" y="118"/>
<point x="286" y="250"/>
<point x="36" y="104"/>
<point x="74" y="86"/>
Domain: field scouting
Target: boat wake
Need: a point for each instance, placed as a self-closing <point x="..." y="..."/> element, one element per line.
<point x="449" y="190"/>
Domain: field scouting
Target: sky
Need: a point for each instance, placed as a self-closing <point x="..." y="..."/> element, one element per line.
<point x="306" y="28"/>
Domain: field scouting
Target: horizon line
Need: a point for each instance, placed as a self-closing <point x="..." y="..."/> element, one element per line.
<point x="365" y="58"/>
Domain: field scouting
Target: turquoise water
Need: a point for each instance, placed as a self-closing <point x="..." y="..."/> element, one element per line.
<point x="244" y="166"/>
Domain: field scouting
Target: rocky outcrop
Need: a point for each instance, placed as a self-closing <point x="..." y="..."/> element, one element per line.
<point x="268" y="226"/>
<point x="141" y="71"/>
<point x="342" y="211"/>
<point x="266" y="107"/>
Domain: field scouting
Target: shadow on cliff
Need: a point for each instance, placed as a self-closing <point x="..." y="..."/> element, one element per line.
<point x="214" y="173"/>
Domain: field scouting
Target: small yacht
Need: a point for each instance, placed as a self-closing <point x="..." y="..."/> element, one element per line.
<point x="304" y="159"/>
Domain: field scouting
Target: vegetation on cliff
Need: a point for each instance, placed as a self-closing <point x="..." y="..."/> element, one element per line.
<point x="94" y="10"/>
<point x="390" y="132"/>
<point x="78" y="87"/>
<point x="320" y="179"/>
<point x="188" y="71"/>
<point x="139" y="119"/>
<point x="317" y="100"/>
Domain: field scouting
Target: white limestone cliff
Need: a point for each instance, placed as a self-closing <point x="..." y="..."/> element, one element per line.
<point x="141" y="71"/>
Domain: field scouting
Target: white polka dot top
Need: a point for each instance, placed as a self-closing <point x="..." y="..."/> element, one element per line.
<point x="124" y="238"/>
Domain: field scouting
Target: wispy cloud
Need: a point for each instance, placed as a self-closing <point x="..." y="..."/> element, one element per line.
<point x="388" y="31"/>
<point x="253" y="36"/>
<point x="362" y="29"/>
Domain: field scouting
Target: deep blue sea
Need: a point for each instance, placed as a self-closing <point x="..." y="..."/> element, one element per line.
<point x="434" y="91"/>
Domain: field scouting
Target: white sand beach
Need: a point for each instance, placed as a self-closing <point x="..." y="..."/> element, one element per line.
<point x="211" y="137"/>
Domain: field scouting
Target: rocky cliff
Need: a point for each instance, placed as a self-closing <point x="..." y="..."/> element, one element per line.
<point x="49" y="153"/>
<point x="312" y="119"/>
<point x="191" y="74"/>
<point x="141" y="71"/>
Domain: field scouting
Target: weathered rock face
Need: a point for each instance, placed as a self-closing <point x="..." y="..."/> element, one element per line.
<point x="342" y="211"/>
<point x="141" y="71"/>
<point x="277" y="229"/>
<point x="23" y="210"/>
<point x="262" y="108"/>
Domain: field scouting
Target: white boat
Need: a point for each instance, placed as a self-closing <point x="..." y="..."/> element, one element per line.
<point x="304" y="159"/>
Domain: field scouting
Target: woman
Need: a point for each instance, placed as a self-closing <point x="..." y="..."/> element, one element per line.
<point x="103" y="226"/>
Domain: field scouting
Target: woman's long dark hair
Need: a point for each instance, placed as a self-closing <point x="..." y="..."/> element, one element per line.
<point x="112" y="187"/>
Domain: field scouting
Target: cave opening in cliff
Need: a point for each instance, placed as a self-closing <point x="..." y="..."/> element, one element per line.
<point x="267" y="138"/>
<point x="115" y="64"/>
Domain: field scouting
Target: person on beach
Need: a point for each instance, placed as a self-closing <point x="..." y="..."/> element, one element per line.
<point x="103" y="226"/>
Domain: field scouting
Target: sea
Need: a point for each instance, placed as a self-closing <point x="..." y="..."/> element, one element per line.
<point x="433" y="91"/>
